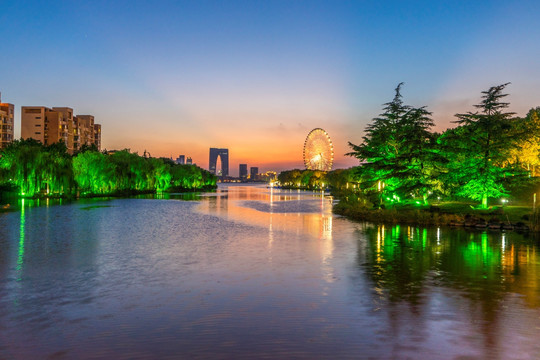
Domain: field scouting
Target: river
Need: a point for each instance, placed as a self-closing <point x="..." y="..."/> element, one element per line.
<point x="250" y="272"/>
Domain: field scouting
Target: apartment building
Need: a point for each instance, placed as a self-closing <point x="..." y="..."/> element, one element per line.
<point x="83" y="131"/>
<point x="7" y="112"/>
<point x="59" y="124"/>
<point x="97" y="136"/>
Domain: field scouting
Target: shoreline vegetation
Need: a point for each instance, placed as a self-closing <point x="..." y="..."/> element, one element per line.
<point x="480" y="174"/>
<point x="29" y="169"/>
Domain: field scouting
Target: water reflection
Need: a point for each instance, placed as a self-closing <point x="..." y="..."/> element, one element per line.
<point x="289" y="211"/>
<point x="250" y="272"/>
<point x="399" y="258"/>
<point x="482" y="273"/>
<point x="20" y="257"/>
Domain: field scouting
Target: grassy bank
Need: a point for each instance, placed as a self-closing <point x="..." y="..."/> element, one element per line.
<point x="444" y="213"/>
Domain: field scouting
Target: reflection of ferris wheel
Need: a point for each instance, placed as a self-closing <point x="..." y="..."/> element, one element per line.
<point x="318" y="150"/>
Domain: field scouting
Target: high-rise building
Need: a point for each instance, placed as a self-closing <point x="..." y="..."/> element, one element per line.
<point x="181" y="159"/>
<point x="189" y="161"/>
<point x="243" y="171"/>
<point x="223" y="154"/>
<point x="97" y="136"/>
<point x="50" y="126"/>
<point x="43" y="124"/>
<point x="7" y="113"/>
<point x="84" y="131"/>
<point x="253" y="173"/>
<point x="67" y="114"/>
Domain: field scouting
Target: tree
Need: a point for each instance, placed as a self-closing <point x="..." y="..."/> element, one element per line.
<point x="23" y="164"/>
<point x="526" y="152"/>
<point x="379" y="150"/>
<point x="487" y="137"/>
<point x="398" y="154"/>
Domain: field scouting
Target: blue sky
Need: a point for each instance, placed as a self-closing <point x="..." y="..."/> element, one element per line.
<point x="177" y="77"/>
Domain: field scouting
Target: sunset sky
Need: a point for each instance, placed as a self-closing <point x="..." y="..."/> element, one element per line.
<point x="175" y="77"/>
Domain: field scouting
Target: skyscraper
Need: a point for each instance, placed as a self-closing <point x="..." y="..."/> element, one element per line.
<point x="254" y="173"/>
<point x="243" y="171"/>
<point x="181" y="159"/>
<point x="223" y="154"/>
<point x="7" y="112"/>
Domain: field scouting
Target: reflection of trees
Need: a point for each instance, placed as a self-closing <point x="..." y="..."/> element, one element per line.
<point x="53" y="269"/>
<point x="396" y="263"/>
<point x="406" y="264"/>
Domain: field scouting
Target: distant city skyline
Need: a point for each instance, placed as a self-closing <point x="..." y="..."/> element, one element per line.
<point x="255" y="77"/>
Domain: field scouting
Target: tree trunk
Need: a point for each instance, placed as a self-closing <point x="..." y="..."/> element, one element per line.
<point x="484" y="201"/>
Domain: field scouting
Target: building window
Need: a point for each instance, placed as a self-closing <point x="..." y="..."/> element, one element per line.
<point x="38" y="124"/>
<point x="38" y="133"/>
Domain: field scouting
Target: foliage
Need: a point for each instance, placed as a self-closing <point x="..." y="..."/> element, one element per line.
<point x="481" y="158"/>
<point x="526" y="152"/>
<point x="336" y="180"/>
<point x="35" y="170"/>
<point x="487" y="138"/>
<point x="398" y="153"/>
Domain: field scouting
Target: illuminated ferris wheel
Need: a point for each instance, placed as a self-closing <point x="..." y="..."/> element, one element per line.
<point x="318" y="150"/>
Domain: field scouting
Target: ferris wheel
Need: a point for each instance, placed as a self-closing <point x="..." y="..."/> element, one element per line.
<point x="318" y="150"/>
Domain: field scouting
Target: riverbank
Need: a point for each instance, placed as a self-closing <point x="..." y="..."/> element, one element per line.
<point x="444" y="213"/>
<point x="7" y="199"/>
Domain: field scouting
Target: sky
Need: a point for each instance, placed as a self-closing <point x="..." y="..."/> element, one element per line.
<point x="179" y="77"/>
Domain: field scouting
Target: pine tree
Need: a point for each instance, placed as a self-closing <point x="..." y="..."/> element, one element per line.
<point x="486" y="138"/>
<point x="398" y="151"/>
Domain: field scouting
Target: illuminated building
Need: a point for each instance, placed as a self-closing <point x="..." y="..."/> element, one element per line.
<point x="223" y="154"/>
<point x="97" y="136"/>
<point x="189" y="161"/>
<point x="50" y="126"/>
<point x="253" y="173"/>
<point x="67" y="114"/>
<point x="84" y="131"/>
<point x="7" y="112"/>
<point x="243" y="172"/>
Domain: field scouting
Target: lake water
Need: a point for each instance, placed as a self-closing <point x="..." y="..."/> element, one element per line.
<point x="250" y="272"/>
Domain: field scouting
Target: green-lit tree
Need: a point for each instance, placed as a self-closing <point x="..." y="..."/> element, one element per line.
<point x="486" y="138"/>
<point x="398" y="155"/>
<point x="421" y="161"/>
<point x="24" y="165"/>
<point x="160" y="174"/>
<point x="57" y="169"/>
<point x="94" y="172"/>
<point x="380" y="148"/>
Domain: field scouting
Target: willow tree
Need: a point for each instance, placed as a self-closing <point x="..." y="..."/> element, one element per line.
<point x="24" y="165"/>
<point x="57" y="168"/>
<point x="159" y="175"/>
<point x="487" y="136"/>
<point x="94" y="172"/>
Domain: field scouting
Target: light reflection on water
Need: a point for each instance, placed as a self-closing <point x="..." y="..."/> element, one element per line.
<point x="253" y="272"/>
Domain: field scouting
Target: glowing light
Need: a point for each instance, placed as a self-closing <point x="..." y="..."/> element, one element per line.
<point x="318" y="151"/>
